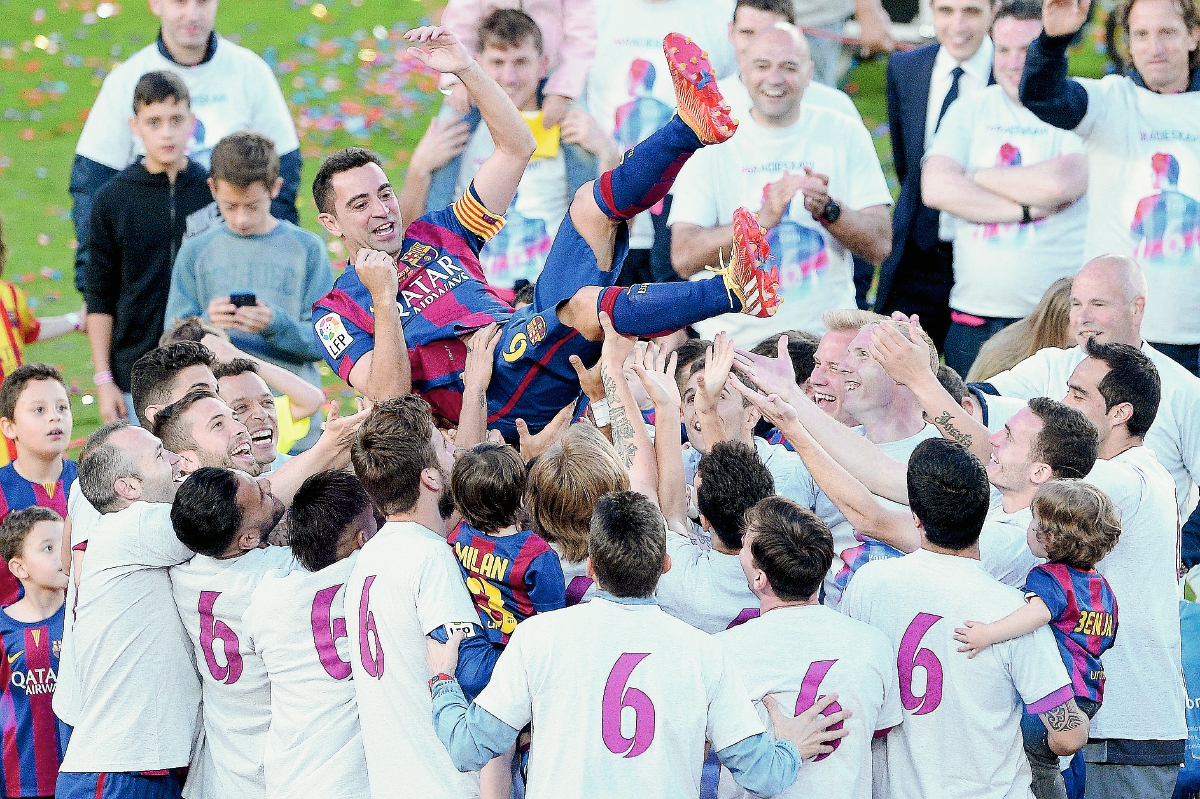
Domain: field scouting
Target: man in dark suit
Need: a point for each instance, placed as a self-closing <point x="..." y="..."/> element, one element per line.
<point x="921" y="84"/>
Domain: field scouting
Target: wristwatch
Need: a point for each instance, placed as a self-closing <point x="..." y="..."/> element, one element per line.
<point x="437" y="678"/>
<point x="831" y="214"/>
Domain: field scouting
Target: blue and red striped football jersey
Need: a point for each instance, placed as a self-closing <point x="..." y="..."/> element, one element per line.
<point x="510" y="577"/>
<point x="443" y="294"/>
<point x="17" y="493"/>
<point x="1083" y="613"/>
<point x="29" y="669"/>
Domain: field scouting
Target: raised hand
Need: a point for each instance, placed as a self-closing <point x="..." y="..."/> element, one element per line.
<point x="657" y="375"/>
<point x="589" y="379"/>
<point x="481" y="355"/>
<point x="442" y="143"/>
<point x="616" y="347"/>
<point x="438" y="48"/>
<point x="534" y="444"/>
<point x="377" y="271"/>
<point x="905" y="360"/>
<point x="775" y="410"/>
<point x="718" y="360"/>
<point x="1064" y="17"/>
<point x="773" y="375"/>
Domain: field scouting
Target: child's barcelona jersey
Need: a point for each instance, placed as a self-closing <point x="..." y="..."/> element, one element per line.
<point x="1084" y="620"/>
<point x="510" y="577"/>
<point x="17" y="493"/>
<point x="443" y="294"/>
<point x="29" y="670"/>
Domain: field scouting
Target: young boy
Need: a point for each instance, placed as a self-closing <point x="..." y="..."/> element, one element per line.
<point x="35" y="416"/>
<point x="296" y="623"/>
<point x="139" y="221"/>
<point x="21" y="328"/>
<point x="256" y="276"/>
<point x="511" y="573"/>
<point x="1074" y="526"/>
<point x="31" y="634"/>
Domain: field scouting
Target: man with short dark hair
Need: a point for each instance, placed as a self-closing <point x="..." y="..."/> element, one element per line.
<point x="225" y="516"/>
<point x="571" y="674"/>
<point x="201" y="430"/>
<point x="706" y="587"/>
<point x="966" y="710"/>
<point x="296" y="623"/>
<point x="797" y="647"/>
<point x="164" y="374"/>
<point x="138" y="696"/>
<point x="405" y="588"/>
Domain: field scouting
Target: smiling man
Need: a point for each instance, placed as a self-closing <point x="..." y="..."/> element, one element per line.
<point x="1142" y="131"/>
<point x="201" y="430"/>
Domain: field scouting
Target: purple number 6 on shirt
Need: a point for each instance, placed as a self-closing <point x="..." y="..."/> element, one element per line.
<point x="910" y="658"/>
<point x="212" y="630"/>
<point x="326" y="632"/>
<point x="372" y="663"/>
<point x="616" y="699"/>
<point x="808" y="697"/>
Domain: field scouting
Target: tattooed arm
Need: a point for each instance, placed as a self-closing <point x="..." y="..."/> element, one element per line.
<point x="907" y="362"/>
<point x="629" y="435"/>
<point x="1067" y="727"/>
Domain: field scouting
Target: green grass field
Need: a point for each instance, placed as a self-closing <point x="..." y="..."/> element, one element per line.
<point x="336" y="62"/>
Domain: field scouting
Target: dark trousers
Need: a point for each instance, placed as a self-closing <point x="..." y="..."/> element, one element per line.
<point x="1048" y="781"/>
<point x="963" y="341"/>
<point x="1186" y="355"/>
<point x="921" y="286"/>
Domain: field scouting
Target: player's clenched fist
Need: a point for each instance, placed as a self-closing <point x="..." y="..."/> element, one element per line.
<point x="377" y="271"/>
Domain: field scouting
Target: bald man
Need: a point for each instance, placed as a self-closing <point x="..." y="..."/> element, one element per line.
<point x="813" y="173"/>
<point x="1108" y="302"/>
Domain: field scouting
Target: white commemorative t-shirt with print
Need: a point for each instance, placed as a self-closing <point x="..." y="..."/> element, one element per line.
<point x="1004" y="546"/>
<point x="1144" y="173"/>
<point x="233" y="91"/>
<point x="404" y="585"/>
<point x="629" y="89"/>
<point x="799" y="654"/>
<point x="816" y="273"/>
<point x="519" y="250"/>
<point x="66" y="690"/>
<point x="211" y="595"/>
<point x="966" y="710"/>
<point x="131" y="651"/>
<point x="622" y="698"/>
<point x="704" y="587"/>
<point x="1003" y="269"/>
<point x="296" y="624"/>
<point x="1143" y="690"/>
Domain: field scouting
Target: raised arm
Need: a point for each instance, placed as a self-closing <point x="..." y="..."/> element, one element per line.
<point x="1045" y="88"/>
<point x="332" y="451"/>
<point x="711" y="384"/>
<point x="907" y="362"/>
<point x="497" y="179"/>
<point x="629" y="435"/>
<point x="657" y="375"/>
<point x="477" y="374"/>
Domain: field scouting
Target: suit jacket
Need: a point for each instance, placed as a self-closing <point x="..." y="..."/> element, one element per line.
<point x="908" y="78"/>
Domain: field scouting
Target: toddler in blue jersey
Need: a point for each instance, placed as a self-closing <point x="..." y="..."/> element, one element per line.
<point x="512" y="573"/>
<point x="31" y="632"/>
<point x="1074" y="526"/>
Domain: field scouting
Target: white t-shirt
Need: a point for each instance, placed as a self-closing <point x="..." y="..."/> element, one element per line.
<point x="1003" y="269"/>
<point x="1175" y="434"/>
<point x="704" y="587"/>
<point x="1144" y="164"/>
<point x="629" y="89"/>
<point x="961" y="735"/>
<point x="139" y="694"/>
<point x="1004" y="546"/>
<point x="737" y="96"/>
<point x="66" y="692"/>
<point x="233" y="91"/>
<point x="816" y="272"/>
<point x="1143" y="692"/>
<point x="798" y="654"/>
<point x="519" y="250"/>
<point x="404" y="585"/>
<point x="212" y="594"/>
<point x="622" y="697"/>
<point x="296" y="624"/>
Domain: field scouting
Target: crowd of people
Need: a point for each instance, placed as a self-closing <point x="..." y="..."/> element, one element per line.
<point x="666" y="478"/>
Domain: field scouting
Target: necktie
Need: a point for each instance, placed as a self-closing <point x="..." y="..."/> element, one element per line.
<point x="951" y="96"/>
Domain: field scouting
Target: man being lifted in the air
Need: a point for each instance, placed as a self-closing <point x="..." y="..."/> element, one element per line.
<point x="422" y="289"/>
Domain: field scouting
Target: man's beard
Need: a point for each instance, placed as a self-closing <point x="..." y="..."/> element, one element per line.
<point x="446" y="500"/>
